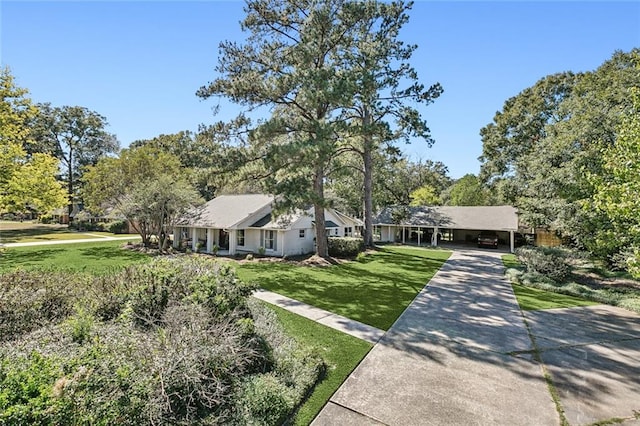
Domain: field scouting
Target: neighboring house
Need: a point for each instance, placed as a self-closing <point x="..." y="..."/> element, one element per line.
<point x="61" y="215"/>
<point x="428" y="225"/>
<point x="238" y="224"/>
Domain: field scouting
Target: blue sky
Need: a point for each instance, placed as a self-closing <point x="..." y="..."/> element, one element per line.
<point x="139" y="63"/>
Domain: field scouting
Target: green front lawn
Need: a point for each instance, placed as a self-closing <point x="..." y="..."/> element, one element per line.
<point x="341" y="352"/>
<point x="27" y="232"/>
<point x="374" y="291"/>
<point x="533" y="299"/>
<point x="96" y="257"/>
<point x="510" y="261"/>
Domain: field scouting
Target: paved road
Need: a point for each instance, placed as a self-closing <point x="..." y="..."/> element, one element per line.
<point x="462" y="354"/>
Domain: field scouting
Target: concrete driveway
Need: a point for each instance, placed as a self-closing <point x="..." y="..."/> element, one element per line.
<point x="462" y="354"/>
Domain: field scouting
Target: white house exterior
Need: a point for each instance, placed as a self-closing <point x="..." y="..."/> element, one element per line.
<point x="236" y="224"/>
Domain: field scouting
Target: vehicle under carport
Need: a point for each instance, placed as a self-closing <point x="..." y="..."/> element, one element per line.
<point x="433" y="225"/>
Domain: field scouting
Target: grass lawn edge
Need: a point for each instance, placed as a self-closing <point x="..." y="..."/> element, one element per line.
<point x="341" y="352"/>
<point x="532" y="298"/>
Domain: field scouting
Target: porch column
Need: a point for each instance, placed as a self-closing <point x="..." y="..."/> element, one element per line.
<point x="434" y="237"/>
<point x="512" y="240"/>
<point x="402" y="234"/>
<point x="282" y="234"/>
<point x="194" y="238"/>
<point x="209" y="240"/>
<point x="418" y="236"/>
<point x="176" y="237"/>
<point x="233" y="238"/>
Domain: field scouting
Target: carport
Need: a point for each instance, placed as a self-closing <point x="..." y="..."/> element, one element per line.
<point x="429" y="225"/>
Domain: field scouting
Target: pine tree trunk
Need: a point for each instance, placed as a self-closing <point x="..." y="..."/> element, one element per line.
<point x="368" y="181"/>
<point x="322" y="246"/>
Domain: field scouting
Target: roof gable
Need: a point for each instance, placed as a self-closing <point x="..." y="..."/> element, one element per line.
<point x="226" y="211"/>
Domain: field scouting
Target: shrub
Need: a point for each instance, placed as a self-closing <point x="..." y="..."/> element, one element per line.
<point x="80" y="325"/>
<point x="118" y="227"/>
<point x="32" y="299"/>
<point x="345" y="246"/>
<point x="298" y="368"/>
<point x="95" y="226"/>
<point x="547" y="261"/>
<point x="173" y="342"/>
<point x="266" y="400"/>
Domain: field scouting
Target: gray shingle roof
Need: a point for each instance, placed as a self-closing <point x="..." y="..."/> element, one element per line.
<point x="490" y="218"/>
<point x="283" y="221"/>
<point x="226" y="211"/>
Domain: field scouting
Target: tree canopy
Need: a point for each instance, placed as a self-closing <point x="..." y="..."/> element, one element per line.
<point x="319" y="68"/>
<point x="617" y="189"/>
<point x="146" y="185"/>
<point x="385" y="88"/>
<point x="27" y="182"/>
<point x="76" y="136"/>
<point x="541" y="148"/>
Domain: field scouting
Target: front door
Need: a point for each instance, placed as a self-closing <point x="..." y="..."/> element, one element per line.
<point x="223" y="239"/>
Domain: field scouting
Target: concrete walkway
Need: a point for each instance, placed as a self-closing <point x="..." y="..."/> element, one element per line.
<point x="337" y="322"/>
<point x="462" y="354"/>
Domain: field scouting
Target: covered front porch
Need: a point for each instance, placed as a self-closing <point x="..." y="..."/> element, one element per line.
<point x="205" y="240"/>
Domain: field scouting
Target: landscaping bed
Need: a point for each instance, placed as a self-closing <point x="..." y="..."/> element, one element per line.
<point x="573" y="276"/>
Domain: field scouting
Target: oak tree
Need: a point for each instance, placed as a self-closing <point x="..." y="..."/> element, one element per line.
<point x="146" y="185"/>
<point x="26" y="181"/>
<point x="76" y="136"/>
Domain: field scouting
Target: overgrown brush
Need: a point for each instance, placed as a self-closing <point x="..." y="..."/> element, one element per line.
<point x="548" y="261"/>
<point x="29" y="300"/>
<point x="171" y="342"/>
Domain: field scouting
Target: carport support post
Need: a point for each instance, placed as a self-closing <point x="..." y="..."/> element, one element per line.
<point x="512" y="240"/>
<point x="434" y="237"/>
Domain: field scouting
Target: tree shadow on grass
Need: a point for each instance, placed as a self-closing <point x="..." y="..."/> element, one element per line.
<point x="19" y="258"/>
<point x="375" y="292"/>
<point x="112" y="253"/>
<point x="15" y="235"/>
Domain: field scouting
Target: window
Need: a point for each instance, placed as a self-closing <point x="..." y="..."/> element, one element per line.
<point x="240" y="237"/>
<point x="301" y="233"/>
<point x="332" y="232"/>
<point x="348" y="231"/>
<point x="270" y="240"/>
